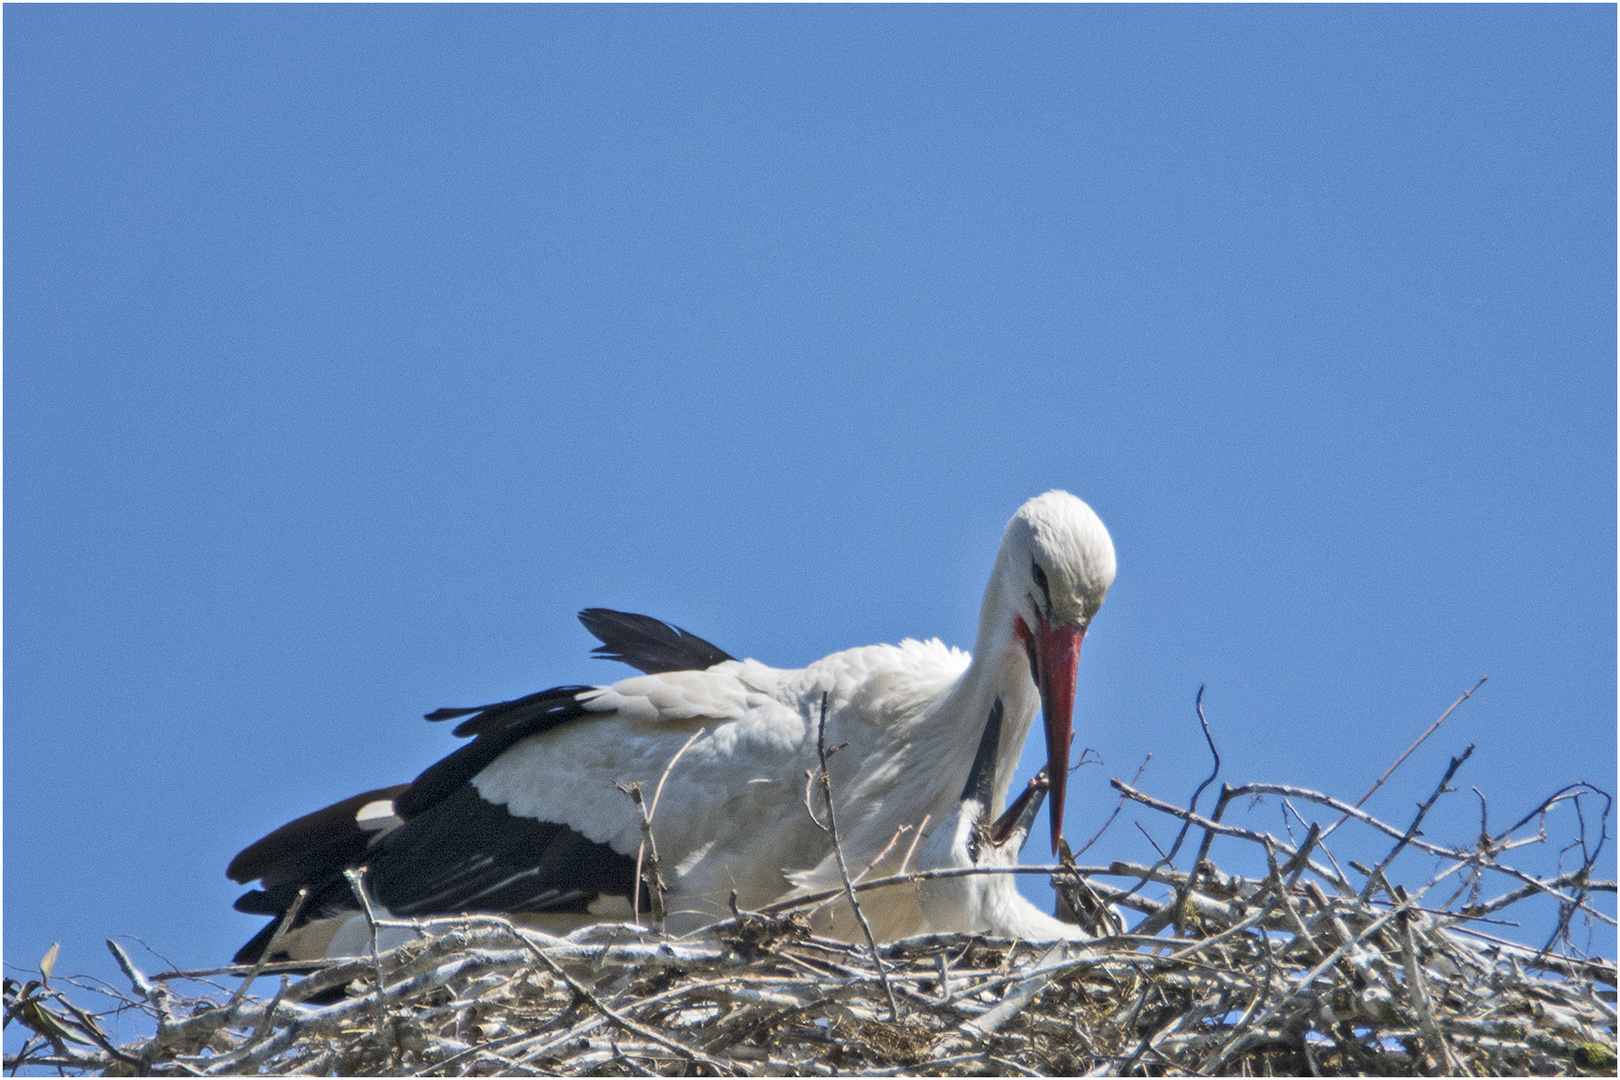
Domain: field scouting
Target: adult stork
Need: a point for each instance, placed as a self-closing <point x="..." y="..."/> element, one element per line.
<point x="528" y="819"/>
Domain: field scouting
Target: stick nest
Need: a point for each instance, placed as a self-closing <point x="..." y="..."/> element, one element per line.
<point x="1301" y="971"/>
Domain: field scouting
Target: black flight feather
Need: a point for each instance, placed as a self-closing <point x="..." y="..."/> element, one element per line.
<point x="469" y="854"/>
<point x="464" y="854"/>
<point x="647" y="644"/>
<point x="310" y="845"/>
<point x="497" y="728"/>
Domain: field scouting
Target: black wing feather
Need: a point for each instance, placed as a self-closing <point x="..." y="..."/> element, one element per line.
<point x="311" y="845"/>
<point x="463" y="854"/>
<point x="496" y="728"/>
<point x="469" y="854"/>
<point x="647" y="644"/>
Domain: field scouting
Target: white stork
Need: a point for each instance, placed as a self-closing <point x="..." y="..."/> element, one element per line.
<point x="527" y="820"/>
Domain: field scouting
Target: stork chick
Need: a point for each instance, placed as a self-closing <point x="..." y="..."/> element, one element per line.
<point x="986" y="903"/>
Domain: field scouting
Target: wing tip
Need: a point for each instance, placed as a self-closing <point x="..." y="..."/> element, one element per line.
<point x="647" y="644"/>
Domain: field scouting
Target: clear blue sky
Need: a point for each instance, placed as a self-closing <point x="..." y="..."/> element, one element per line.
<point x="350" y="351"/>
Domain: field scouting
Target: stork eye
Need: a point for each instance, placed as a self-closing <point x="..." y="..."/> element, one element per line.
<point x="1040" y="579"/>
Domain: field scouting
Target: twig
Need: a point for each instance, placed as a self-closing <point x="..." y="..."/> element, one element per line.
<point x="1192" y="806"/>
<point x="1164" y="860"/>
<point x="288" y="918"/>
<point x="1421" y="739"/>
<point x="1412" y="830"/>
<point x="1215" y="770"/>
<point x="658" y="793"/>
<point x="824" y="779"/>
<point x="911" y="849"/>
<point x="138" y="980"/>
<point x="654" y="880"/>
<point x="1203" y="721"/>
<point x="648" y="875"/>
<point x="1117" y="808"/>
<point x="357" y="884"/>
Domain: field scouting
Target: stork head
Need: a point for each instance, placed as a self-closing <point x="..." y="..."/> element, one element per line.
<point x="1052" y="572"/>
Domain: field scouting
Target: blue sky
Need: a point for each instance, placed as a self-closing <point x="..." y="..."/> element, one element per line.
<point x="350" y="351"/>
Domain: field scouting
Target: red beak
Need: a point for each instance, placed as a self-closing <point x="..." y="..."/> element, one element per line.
<point x="1054" y="658"/>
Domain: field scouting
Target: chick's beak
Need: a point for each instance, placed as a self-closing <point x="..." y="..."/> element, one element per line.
<point x="1019" y="818"/>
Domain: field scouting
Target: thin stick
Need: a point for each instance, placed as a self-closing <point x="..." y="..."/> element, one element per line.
<point x="1192" y="807"/>
<point x="825" y="780"/>
<point x="658" y="793"/>
<point x="915" y="837"/>
<point x="647" y="872"/>
<point x="1434" y="727"/>
<point x="1412" y="830"/>
<point x="288" y="917"/>
<point x="1164" y="860"/>
<point x="357" y="884"/>
<point x="646" y="816"/>
<point x="1117" y="808"/>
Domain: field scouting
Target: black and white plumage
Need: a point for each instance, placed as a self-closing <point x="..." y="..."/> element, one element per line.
<point x="526" y="818"/>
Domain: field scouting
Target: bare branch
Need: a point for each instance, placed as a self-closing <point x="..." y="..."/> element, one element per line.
<point x="1421" y="739"/>
<point x="1423" y="810"/>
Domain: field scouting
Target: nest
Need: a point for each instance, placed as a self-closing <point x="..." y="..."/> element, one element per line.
<point x="1300" y="970"/>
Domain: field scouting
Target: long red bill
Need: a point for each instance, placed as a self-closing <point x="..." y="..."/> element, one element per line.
<point x="1057" y="658"/>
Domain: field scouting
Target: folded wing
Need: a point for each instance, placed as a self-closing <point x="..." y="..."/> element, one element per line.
<point x="436" y="845"/>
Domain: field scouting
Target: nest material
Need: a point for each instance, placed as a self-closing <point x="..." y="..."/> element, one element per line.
<point x="1299" y="972"/>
